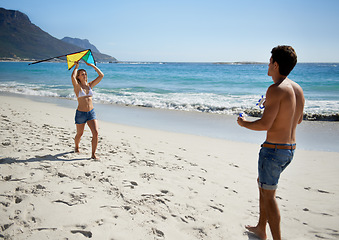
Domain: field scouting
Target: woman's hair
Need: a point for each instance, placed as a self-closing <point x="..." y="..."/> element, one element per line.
<point x="78" y="72"/>
<point x="286" y="57"/>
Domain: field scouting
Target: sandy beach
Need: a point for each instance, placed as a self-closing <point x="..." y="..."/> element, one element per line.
<point x="148" y="184"/>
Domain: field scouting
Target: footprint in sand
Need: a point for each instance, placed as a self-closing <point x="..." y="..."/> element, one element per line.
<point x="318" y="190"/>
<point x="5" y="226"/>
<point x="147" y="176"/>
<point x="130" y="184"/>
<point x="324" y="214"/>
<point x="87" y="234"/>
<point x="158" y="233"/>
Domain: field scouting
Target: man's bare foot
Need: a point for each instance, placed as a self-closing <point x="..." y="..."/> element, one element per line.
<point x="257" y="232"/>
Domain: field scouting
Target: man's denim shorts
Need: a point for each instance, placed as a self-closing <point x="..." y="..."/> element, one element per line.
<point x="272" y="162"/>
<point x="83" y="117"/>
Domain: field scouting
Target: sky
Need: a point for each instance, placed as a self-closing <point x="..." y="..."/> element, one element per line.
<point x="192" y="30"/>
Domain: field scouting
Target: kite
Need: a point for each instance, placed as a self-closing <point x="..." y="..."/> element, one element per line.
<point x="72" y="58"/>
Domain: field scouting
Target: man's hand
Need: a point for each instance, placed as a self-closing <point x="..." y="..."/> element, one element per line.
<point x="241" y="121"/>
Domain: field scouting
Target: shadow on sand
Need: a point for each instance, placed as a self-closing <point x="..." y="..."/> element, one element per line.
<point x="251" y="236"/>
<point x="48" y="157"/>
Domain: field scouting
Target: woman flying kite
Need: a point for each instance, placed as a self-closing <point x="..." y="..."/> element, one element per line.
<point x="83" y="90"/>
<point x="85" y="111"/>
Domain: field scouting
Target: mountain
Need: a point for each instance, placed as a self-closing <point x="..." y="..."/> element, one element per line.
<point x="22" y="40"/>
<point x="83" y="43"/>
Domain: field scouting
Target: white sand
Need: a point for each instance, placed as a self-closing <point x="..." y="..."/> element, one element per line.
<point x="148" y="184"/>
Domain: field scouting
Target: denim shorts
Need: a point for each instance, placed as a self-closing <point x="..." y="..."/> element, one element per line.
<point x="272" y="162"/>
<point x="83" y="117"/>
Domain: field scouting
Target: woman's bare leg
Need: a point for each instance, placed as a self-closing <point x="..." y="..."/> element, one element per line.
<point x="80" y="131"/>
<point x="93" y="125"/>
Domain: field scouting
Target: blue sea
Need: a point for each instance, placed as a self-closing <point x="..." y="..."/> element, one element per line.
<point x="202" y="87"/>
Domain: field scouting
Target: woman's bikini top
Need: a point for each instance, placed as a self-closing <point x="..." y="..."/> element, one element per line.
<point x="83" y="94"/>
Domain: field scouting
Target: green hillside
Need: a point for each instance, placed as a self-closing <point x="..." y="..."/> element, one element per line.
<point x="20" y="39"/>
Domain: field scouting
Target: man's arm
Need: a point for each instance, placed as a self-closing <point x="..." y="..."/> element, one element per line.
<point x="272" y="104"/>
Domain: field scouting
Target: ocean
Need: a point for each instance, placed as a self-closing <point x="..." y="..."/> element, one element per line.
<point x="196" y="87"/>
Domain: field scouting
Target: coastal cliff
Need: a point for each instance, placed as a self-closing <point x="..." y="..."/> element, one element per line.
<point x="20" y="39"/>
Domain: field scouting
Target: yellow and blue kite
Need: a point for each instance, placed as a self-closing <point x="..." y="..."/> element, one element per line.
<point x="72" y="58"/>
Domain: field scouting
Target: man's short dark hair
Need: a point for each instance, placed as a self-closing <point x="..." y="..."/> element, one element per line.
<point x="286" y="57"/>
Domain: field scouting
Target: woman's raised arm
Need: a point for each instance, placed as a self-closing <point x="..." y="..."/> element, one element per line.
<point x="74" y="75"/>
<point x="99" y="78"/>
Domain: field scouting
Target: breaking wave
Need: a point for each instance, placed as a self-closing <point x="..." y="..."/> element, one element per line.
<point x="200" y="102"/>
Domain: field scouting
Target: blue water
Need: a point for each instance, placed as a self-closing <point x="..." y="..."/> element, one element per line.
<point x="204" y="87"/>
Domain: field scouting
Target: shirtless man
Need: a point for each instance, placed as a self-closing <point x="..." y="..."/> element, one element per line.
<point x="283" y="112"/>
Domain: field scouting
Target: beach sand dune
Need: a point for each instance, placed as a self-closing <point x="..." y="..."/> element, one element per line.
<point x="147" y="184"/>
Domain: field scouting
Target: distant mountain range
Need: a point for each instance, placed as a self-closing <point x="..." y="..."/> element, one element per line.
<point x="83" y="43"/>
<point x="22" y="40"/>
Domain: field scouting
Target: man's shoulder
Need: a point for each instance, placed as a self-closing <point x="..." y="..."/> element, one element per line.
<point x="284" y="85"/>
<point x="294" y="84"/>
<point x="276" y="87"/>
<point x="278" y="90"/>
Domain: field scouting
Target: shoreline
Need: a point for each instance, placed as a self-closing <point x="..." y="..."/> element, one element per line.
<point x="9" y="59"/>
<point x="166" y="185"/>
<point x="311" y="135"/>
<point x="323" y="109"/>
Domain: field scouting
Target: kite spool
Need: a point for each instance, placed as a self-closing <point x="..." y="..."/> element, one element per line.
<point x="260" y="102"/>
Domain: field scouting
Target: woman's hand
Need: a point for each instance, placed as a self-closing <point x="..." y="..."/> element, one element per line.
<point x="89" y="64"/>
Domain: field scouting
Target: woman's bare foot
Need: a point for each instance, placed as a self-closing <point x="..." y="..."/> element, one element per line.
<point x="257" y="232"/>
<point x="76" y="150"/>
<point x="94" y="157"/>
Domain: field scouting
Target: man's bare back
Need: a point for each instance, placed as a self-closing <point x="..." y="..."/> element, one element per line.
<point x="283" y="111"/>
<point x="288" y="100"/>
